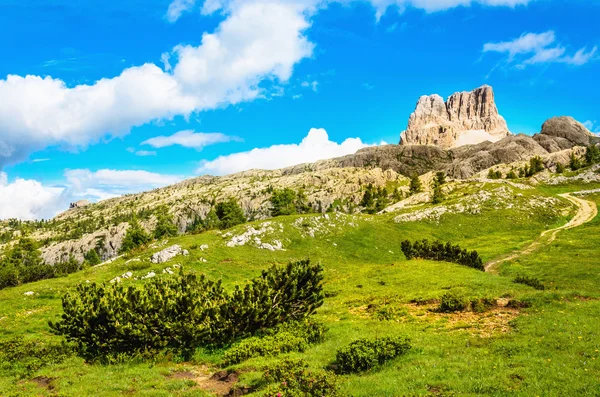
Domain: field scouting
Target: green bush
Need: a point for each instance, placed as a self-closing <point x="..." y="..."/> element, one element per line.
<point x="438" y="251"/>
<point x="530" y="281"/>
<point x="494" y="174"/>
<point x="292" y="378"/>
<point x="23" y="263"/>
<point x="364" y="354"/>
<point x="291" y="337"/>
<point x="21" y="358"/>
<point x="453" y="301"/>
<point x="183" y="312"/>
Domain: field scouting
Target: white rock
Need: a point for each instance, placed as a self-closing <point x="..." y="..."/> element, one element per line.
<point x="166" y="254"/>
<point x="203" y="247"/>
<point x="149" y="275"/>
<point x="185" y="252"/>
<point x="29" y="293"/>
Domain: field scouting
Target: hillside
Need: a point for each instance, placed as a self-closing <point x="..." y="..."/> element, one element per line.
<point x="542" y="343"/>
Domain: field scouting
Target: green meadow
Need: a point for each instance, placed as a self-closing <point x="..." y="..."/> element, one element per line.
<point x="544" y="343"/>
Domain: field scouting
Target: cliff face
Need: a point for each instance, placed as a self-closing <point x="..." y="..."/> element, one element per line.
<point x="465" y="118"/>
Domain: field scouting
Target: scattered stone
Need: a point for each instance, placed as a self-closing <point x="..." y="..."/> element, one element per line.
<point x="203" y="247"/>
<point x="29" y="293"/>
<point x="185" y="252"/>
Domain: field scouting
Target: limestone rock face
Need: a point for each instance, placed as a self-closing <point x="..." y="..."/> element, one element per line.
<point x="567" y="128"/>
<point x="465" y="118"/>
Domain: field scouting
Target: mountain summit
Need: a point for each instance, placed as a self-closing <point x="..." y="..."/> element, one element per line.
<point x="465" y="118"/>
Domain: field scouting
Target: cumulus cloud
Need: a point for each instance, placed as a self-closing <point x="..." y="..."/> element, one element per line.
<point x="539" y="48"/>
<point x="177" y="8"/>
<point x="315" y="146"/>
<point x="28" y="199"/>
<point x="257" y="41"/>
<point x="190" y="139"/>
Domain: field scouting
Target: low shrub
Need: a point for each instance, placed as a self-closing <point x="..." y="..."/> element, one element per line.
<point x="21" y="358"/>
<point x="185" y="311"/>
<point x="292" y="378"/>
<point x="289" y="337"/>
<point x="364" y="354"/>
<point x="271" y="345"/>
<point x="530" y="281"/>
<point x="453" y="301"/>
<point x="438" y="251"/>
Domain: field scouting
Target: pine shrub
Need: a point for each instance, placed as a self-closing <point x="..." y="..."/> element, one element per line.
<point x="438" y="251"/>
<point x="185" y="311"/>
<point x="453" y="301"/>
<point x="364" y="354"/>
<point x="530" y="281"/>
<point x="292" y="378"/>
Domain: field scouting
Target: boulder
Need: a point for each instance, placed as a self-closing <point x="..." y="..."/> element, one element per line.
<point x="569" y="129"/>
<point x="166" y="254"/>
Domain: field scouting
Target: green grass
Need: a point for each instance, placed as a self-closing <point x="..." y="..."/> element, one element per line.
<point x="549" y="349"/>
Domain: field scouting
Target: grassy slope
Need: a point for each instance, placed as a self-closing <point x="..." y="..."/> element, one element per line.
<point x="551" y="348"/>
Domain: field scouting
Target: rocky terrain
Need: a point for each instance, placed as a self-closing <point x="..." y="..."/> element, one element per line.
<point x="429" y="144"/>
<point x="465" y="118"/>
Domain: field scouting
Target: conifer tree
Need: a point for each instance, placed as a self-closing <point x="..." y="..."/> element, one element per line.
<point x="415" y="185"/>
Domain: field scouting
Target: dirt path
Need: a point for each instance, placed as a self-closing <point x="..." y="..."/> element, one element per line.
<point x="586" y="211"/>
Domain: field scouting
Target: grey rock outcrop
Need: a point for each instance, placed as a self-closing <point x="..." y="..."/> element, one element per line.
<point x="465" y="118"/>
<point x="566" y="128"/>
<point x="166" y="254"/>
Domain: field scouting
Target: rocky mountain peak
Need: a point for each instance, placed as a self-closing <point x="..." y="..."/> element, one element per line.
<point x="465" y="118"/>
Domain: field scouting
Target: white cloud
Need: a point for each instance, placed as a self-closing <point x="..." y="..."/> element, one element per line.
<point x="117" y="181"/>
<point x="40" y="160"/>
<point x="310" y="84"/>
<point x="257" y="41"/>
<point x="538" y="48"/>
<point x="190" y="139"/>
<point x="178" y="7"/>
<point x="28" y="199"/>
<point x="315" y="146"/>
<point x="592" y="126"/>
<point x="145" y="153"/>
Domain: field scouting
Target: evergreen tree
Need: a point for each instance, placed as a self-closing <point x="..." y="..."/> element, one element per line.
<point x="560" y="168"/>
<point x="511" y="175"/>
<point x="229" y="213"/>
<point x="438" y="181"/>
<point x="165" y="227"/>
<point x="92" y="257"/>
<point x="592" y="155"/>
<point x="135" y="237"/>
<point x="415" y="185"/>
<point x="574" y="162"/>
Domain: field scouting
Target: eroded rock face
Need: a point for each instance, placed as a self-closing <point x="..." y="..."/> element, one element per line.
<point x="465" y="118"/>
<point x="567" y="129"/>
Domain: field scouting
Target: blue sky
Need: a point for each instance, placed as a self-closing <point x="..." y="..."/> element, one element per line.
<point x="248" y="74"/>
